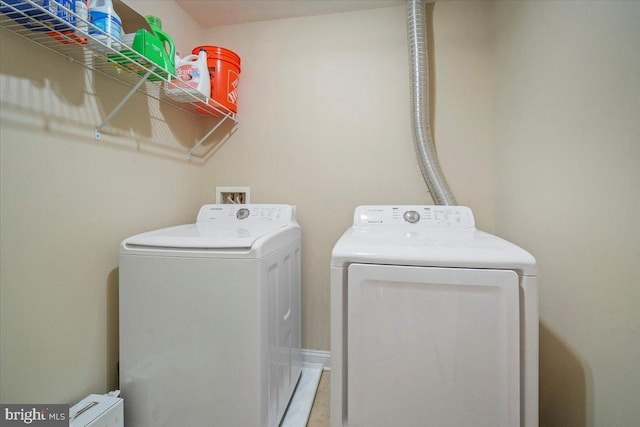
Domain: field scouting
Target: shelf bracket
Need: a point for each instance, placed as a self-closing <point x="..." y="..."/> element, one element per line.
<point x="199" y="143"/>
<point x="124" y="100"/>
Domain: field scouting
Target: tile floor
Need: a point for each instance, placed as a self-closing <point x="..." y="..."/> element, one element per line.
<point x="319" y="416"/>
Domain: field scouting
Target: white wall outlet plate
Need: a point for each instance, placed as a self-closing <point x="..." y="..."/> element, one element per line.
<point x="233" y="195"/>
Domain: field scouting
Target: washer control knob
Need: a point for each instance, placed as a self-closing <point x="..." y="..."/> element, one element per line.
<point x="242" y="213"/>
<point x="411" y="217"/>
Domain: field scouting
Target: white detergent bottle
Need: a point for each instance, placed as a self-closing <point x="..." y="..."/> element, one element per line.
<point x="105" y="31"/>
<point x="82" y="26"/>
<point x="193" y="78"/>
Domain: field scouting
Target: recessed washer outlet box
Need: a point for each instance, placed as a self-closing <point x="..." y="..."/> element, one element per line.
<point x="233" y="195"/>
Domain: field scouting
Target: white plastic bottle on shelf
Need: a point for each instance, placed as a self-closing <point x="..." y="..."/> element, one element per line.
<point x="82" y="10"/>
<point x="193" y="78"/>
<point x="105" y="31"/>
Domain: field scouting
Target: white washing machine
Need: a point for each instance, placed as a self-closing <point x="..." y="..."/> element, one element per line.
<point x="210" y="330"/>
<point x="433" y="323"/>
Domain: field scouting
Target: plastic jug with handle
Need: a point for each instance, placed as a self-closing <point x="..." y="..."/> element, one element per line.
<point x="193" y="79"/>
<point x="157" y="47"/>
<point x="148" y="51"/>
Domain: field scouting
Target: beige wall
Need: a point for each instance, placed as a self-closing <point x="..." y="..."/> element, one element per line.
<point x="533" y="98"/>
<point x="66" y="202"/>
<point x="324" y="113"/>
<point x="567" y="188"/>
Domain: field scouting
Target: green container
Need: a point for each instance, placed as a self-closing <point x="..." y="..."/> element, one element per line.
<point x="148" y="50"/>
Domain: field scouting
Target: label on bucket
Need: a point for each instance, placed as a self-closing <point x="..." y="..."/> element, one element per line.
<point x="233" y="80"/>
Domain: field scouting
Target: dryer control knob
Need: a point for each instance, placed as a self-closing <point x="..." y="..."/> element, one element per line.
<point x="411" y="217"/>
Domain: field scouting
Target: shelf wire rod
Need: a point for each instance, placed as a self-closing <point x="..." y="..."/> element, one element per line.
<point x="199" y="143"/>
<point x="122" y="102"/>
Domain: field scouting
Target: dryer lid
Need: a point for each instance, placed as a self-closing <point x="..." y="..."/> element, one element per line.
<point x="428" y="236"/>
<point x="220" y="227"/>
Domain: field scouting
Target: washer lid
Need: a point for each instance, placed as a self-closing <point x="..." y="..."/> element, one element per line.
<point x="220" y="226"/>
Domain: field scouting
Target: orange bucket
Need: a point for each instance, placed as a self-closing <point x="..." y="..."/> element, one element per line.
<point x="224" y="72"/>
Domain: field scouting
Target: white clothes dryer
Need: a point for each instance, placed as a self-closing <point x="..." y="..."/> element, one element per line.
<point x="433" y="323"/>
<point x="210" y="330"/>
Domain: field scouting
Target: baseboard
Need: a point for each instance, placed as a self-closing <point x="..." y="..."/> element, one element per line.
<point x="317" y="356"/>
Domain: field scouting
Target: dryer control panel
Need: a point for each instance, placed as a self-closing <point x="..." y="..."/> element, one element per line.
<point x="246" y="213"/>
<point x="417" y="216"/>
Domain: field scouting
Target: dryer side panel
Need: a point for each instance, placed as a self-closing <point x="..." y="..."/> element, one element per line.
<point x="432" y="346"/>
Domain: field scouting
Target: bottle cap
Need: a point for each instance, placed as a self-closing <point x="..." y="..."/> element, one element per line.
<point x="154" y="20"/>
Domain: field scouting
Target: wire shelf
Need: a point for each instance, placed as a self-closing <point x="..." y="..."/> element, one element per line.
<point x="46" y="23"/>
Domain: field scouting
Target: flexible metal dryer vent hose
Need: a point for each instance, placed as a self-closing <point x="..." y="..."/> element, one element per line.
<point x="420" y="120"/>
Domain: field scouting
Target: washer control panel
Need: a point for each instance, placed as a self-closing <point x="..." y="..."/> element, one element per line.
<point x="246" y="213"/>
<point x="418" y="216"/>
